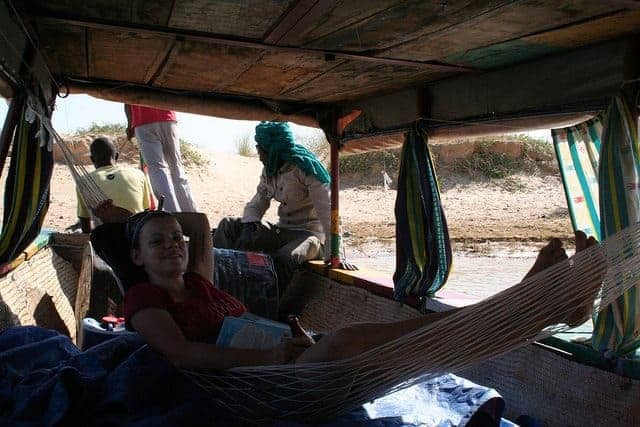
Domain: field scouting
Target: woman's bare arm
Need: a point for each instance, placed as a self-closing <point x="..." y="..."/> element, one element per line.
<point x="162" y="333"/>
<point x="196" y="226"/>
<point x="193" y="224"/>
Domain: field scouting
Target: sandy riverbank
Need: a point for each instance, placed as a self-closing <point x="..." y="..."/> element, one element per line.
<point x="476" y="211"/>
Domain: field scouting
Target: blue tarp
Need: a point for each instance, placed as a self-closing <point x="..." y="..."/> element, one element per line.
<point x="46" y="380"/>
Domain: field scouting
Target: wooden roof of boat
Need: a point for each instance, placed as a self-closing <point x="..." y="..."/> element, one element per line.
<point x="293" y="58"/>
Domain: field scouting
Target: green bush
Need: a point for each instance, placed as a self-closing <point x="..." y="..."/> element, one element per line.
<point x="113" y="129"/>
<point x="191" y="156"/>
<point x="355" y="163"/>
<point x="484" y="162"/>
<point x="537" y="149"/>
<point x="244" y="145"/>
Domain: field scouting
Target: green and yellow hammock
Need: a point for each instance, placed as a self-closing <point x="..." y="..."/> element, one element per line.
<point x="600" y="168"/>
<point x="26" y="197"/>
<point x="423" y="249"/>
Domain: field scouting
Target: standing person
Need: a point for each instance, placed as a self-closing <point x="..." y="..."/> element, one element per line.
<point x="125" y="186"/>
<point x="293" y="176"/>
<point x="157" y="137"/>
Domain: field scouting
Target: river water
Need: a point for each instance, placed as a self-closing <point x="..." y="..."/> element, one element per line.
<point x="478" y="272"/>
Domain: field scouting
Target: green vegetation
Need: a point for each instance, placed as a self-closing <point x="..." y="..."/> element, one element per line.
<point x="500" y="164"/>
<point x="244" y="146"/>
<point x="112" y="129"/>
<point x="191" y="156"/>
<point x="129" y="150"/>
<point x="356" y="163"/>
<point x="488" y="162"/>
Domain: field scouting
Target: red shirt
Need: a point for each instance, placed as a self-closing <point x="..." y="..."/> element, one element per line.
<point x="199" y="317"/>
<point x="141" y="115"/>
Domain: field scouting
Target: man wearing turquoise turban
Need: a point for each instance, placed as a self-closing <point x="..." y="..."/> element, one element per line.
<point x="293" y="176"/>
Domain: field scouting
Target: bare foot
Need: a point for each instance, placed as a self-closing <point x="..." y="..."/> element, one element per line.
<point x="549" y="255"/>
<point x="554" y="253"/>
<point x="583" y="312"/>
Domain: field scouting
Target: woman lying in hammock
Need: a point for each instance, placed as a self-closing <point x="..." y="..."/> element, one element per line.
<point x="178" y="309"/>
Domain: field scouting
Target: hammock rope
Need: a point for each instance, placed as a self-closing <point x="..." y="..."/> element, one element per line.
<point x="91" y="194"/>
<point x="528" y="311"/>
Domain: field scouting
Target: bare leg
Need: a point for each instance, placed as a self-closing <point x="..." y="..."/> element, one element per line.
<point x="358" y="338"/>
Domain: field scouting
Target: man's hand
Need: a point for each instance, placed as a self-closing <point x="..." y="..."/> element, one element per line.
<point x="108" y="212"/>
<point x="343" y="265"/>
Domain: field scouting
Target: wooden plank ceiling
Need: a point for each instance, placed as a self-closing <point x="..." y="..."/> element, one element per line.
<point x="309" y="51"/>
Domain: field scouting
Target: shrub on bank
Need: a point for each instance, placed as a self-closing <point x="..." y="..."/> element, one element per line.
<point x="244" y="146"/>
<point x="80" y="141"/>
<point x="497" y="158"/>
<point x="110" y="129"/>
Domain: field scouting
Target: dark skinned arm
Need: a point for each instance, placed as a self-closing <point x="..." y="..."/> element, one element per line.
<point x="127" y="112"/>
<point x="85" y="224"/>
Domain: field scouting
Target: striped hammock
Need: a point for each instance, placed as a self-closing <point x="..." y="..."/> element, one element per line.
<point x="26" y="197"/>
<point x="423" y="249"/>
<point x="617" y="327"/>
<point x="578" y="151"/>
<point x="600" y="169"/>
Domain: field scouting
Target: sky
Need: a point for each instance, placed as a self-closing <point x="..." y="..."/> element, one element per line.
<point x="210" y="133"/>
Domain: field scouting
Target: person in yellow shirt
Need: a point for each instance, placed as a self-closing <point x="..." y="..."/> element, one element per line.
<point x="125" y="186"/>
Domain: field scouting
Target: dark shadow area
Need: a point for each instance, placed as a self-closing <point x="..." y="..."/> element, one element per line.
<point x="46" y="315"/>
<point x="7" y="317"/>
<point x="106" y="291"/>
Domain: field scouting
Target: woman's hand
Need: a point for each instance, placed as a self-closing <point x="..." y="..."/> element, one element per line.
<point x="289" y="350"/>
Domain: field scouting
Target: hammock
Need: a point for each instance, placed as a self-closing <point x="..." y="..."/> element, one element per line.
<point x="600" y="168"/>
<point x="423" y="249"/>
<point x="476" y="333"/>
<point x="26" y="197"/>
<point x="616" y="328"/>
<point x="578" y="151"/>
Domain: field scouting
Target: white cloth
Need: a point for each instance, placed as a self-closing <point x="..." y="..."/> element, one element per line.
<point x="304" y="201"/>
<point x="161" y="151"/>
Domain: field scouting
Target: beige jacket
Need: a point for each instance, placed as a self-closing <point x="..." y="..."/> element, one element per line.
<point x="304" y="201"/>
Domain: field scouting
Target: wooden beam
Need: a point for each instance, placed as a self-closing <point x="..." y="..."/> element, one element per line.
<point x="297" y="21"/>
<point x="224" y="106"/>
<point x="157" y="68"/>
<point x="554" y="91"/>
<point x="580" y="80"/>
<point x="288" y="20"/>
<point x="89" y="55"/>
<point x="230" y="41"/>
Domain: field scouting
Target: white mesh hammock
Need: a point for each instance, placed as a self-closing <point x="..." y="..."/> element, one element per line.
<point x="528" y="311"/>
<point x="91" y="194"/>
